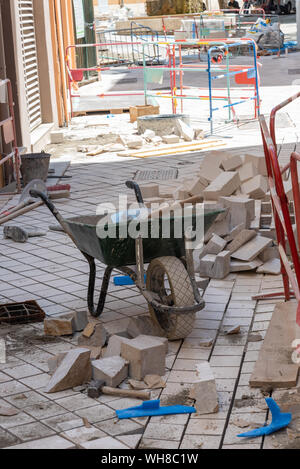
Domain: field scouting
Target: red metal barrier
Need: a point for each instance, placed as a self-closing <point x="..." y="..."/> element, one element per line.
<point x="273" y="115"/>
<point x="283" y="224"/>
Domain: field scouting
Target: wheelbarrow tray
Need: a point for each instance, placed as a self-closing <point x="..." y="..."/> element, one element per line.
<point x="119" y="251"/>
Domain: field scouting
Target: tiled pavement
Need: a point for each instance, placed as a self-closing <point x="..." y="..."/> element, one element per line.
<point x="52" y="271"/>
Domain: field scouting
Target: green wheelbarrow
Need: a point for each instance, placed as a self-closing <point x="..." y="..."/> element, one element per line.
<point x="170" y="288"/>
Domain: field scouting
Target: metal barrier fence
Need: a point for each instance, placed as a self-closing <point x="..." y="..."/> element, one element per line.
<point x="217" y="51"/>
<point x="123" y="46"/>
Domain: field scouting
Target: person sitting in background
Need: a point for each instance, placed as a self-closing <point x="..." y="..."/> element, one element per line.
<point x="233" y="4"/>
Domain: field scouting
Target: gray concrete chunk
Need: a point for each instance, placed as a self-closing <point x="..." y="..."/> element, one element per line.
<point x="204" y="390"/>
<point x="112" y="370"/>
<point x="250" y="250"/>
<point x="146" y="356"/>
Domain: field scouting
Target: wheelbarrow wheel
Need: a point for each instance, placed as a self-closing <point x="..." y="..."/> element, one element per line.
<point x="168" y="278"/>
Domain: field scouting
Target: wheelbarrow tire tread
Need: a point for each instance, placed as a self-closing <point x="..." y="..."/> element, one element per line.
<point x="174" y="326"/>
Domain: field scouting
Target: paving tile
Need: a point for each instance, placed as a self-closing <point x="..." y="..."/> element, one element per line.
<point x="7" y="439"/>
<point x="14" y="420"/>
<point x="82" y="434"/>
<point x="164" y="431"/>
<point x="42" y="410"/>
<point x="116" y="427"/>
<point x="4" y="377"/>
<point x="245" y="446"/>
<point x="186" y="365"/>
<point x="104" y="443"/>
<point x="205" y="427"/>
<point x="231" y="437"/>
<point x="176" y="419"/>
<point x="25" y="399"/>
<point x="225" y="361"/>
<point x="12" y="387"/>
<point x="225" y="350"/>
<point x="23" y="371"/>
<point x="200" y="442"/>
<point x="123" y="403"/>
<point x="132" y="441"/>
<point x="225" y="384"/>
<point x="52" y="442"/>
<point x="32" y="431"/>
<point x="97" y="413"/>
<point x="37" y="381"/>
<point x="194" y="354"/>
<point x="225" y="372"/>
<point x="148" y="443"/>
<point x="79" y="401"/>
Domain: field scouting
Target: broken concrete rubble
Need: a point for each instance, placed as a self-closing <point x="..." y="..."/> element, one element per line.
<point x="74" y="370"/>
<point x="247" y="171"/>
<point x="94" y="335"/>
<point x="199" y="134"/>
<point x="224" y="184"/>
<point x="112" y="370"/>
<point x="215" y="266"/>
<point x="170" y="139"/>
<point x="60" y="325"/>
<point x="272" y="266"/>
<point x="215" y="245"/>
<point x="114" y="345"/>
<point x="149" y="190"/>
<point x="242" y="266"/>
<point x="259" y="162"/>
<point x="241" y="210"/>
<point x="256" y="187"/>
<point x="250" y="250"/>
<point x="242" y="238"/>
<point x="185" y="131"/>
<point x="146" y="355"/>
<point x="230" y="164"/>
<point x="80" y="320"/>
<point x="221" y="266"/>
<point x="203" y="390"/>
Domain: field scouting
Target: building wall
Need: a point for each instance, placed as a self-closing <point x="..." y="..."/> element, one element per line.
<point x="32" y="139"/>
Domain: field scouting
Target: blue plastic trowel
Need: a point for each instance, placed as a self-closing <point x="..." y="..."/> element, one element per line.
<point x="152" y="408"/>
<point x="279" y="420"/>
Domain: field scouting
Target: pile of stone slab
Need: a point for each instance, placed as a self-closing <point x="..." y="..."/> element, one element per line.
<point x="130" y="358"/>
<point x="99" y="357"/>
<point x="182" y="132"/>
<point x="243" y="237"/>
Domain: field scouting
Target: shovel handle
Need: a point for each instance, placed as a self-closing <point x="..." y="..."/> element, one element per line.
<point x="126" y="393"/>
<point x="17" y="213"/>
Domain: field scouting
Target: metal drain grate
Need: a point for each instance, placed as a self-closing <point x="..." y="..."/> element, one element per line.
<point x="294" y="71"/>
<point x="156" y="175"/>
<point x="21" y="313"/>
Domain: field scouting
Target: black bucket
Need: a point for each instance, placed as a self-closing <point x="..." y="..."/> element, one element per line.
<point x="34" y="166"/>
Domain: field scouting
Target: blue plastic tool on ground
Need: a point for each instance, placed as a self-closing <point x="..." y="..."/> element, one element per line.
<point x="152" y="408"/>
<point x="124" y="280"/>
<point x="279" y="420"/>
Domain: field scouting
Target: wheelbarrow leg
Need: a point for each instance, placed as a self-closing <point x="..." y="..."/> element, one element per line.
<point x="91" y="290"/>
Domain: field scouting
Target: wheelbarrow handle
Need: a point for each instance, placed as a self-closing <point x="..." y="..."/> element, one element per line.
<point x="39" y="194"/>
<point x="133" y="185"/>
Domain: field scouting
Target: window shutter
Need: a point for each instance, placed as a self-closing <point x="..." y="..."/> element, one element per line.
<point x="30" y="62"/>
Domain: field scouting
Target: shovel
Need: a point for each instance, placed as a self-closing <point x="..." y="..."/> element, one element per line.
<point x="279" y="420"/>
<point x="25" y="198"/>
